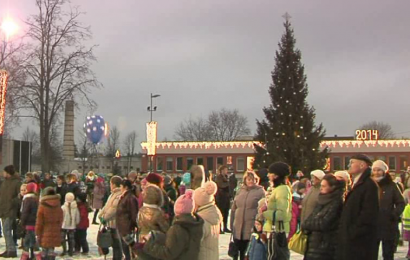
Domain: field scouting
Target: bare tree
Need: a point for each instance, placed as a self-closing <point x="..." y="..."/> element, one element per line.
<point x="384" y="129"/>
<point x="113" y="144"/>
<point x="130" y="142"/>
<point x="86" y="152"/>
<point x="193" y="130"/>
<point x="33" y="137"/>
<point x="223" y="125"/>
<point x="227" y="125"/>
<point x="57" y="67"/>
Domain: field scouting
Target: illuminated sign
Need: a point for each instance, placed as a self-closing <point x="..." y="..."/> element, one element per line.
<point x="151" y="137"/>
<point x="3" y="91"/>
<point x="118" y="154"/>
<point x="367" y="134"/>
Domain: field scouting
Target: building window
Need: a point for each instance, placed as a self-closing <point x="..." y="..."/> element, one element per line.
<point x="337" y="163"/>
<point x="382" y="157"/>
<point x="131" y="167"/>
<point x="160" y="164"/>
<point x="347" y="162"/>
<point x="200" y="161"/>
<point x="79" y="167"/>
<point x="240" y="164"/>
<point x="180" y="164"/>
<point x="108" y="167"/>
<point x="219" y="161"/>
<point x="392" y="163"/>
<point x="189" y="163"/>
<point x="229" y="160"/>
<point x="210" y="163"/>
<point x="170" y="164"/>
<point x="403" y="162"/>
<point x="102" y="167"/>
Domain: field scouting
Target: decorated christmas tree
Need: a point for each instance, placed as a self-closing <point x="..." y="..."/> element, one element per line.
<point x="289" y="132"/>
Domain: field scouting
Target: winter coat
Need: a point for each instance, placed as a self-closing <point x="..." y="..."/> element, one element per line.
<point x="212" y="223"/>
<point x="296" y="212"/>
<point x="280" y="203"/>
<point x="151" y="217"/>
<point x="309" y="202"/>
<point x="127" y="212"/>
<point x="62" y="191"/>
<point x="71" y="215"/>
<point x="171" y="192"/>
<point x="29" y="209"/>
<point x="233" y="182"/>
<point x="358" y="222"/>
<point x="182" y="241"/>
<point x="244" y="211"/>
<point x="9" y="190"/>
<point x="109" y="212"/>
<point x="84" y="221"/>
<point x="322" y="226"/>
<point x="391" y="207"/>
<point x="74" y="188"/>
<point x="98" y="195"/>
<point x="222" y="196"/>
<point x="257" y="250"/>
<point x="48" y="183"/>
<point x="49" y="221"/>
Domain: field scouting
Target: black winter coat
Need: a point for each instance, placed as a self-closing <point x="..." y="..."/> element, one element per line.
<point x="74" y="188"/>
<point x="322" y="226"/>
<point x="391" y="206"/>
<point x="28" y="215"/>
<point x="358" y="223"/>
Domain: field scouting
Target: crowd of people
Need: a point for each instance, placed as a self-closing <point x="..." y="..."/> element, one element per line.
<point x="344" y="215"/>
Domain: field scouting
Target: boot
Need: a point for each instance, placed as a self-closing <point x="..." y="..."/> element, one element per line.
<point x="4" y="254"/>
<point x="25" y="256"/>
<point x="38" y="256"/>
<point x="11" y="254"/>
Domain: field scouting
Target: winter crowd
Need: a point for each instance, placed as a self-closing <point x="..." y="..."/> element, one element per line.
<point x="342" y="215"/>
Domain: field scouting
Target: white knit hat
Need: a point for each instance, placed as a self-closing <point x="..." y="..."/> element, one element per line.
<point x="318" y="174"/>
<point x="343" y="174"/>
<point x="381" y="165"/>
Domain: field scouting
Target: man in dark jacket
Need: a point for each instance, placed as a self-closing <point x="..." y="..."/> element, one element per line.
<point x="48" y="181"/>
<point x="222" y="197"/>
<point x="9" y="190"/>
<point x="358" y="223"/>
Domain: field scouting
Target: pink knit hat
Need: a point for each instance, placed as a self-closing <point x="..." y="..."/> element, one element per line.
<point x="31" y="187"/>
<point x="184" y="204"/>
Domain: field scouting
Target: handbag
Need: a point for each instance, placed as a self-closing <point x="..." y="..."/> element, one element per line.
<point x="104" y="238"/>
<point x="233" y="249"/>
<point x="277" y="242"/>
<point x="298" y="243"/>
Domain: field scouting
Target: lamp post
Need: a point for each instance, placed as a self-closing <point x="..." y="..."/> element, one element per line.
<point x="151" y="108"/>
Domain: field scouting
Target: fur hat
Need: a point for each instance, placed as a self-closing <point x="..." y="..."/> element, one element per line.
<point x="154" y="178"/>
<point x="31" y="187"/>
<point x="280" y="169"/>
<point x="69" y="197"/>
<point x="152" y="195"/>
<point x="381" y="165"/>
<point x="318" y="174"/>
<point x="205" y="194"/>
<point x="184" y="204"/>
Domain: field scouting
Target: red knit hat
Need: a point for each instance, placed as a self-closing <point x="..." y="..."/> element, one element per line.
<point x="154" y="178"/>
<point x="31" y="187"/>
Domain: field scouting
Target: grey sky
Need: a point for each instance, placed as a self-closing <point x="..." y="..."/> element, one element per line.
<point x="205" y="55"/>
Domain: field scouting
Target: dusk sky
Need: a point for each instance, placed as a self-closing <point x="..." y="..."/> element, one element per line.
<point x="207" y="55"/>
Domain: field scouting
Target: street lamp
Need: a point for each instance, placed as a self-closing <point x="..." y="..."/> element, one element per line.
<point x="151" y="108"/>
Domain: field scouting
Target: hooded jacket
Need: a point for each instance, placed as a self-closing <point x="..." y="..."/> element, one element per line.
<point x="71" y="215"/>
<point x="49" y="221"/>
<point x="210" y="241"/>
<point x="182" y="241"/>
<point x="9" y="190"/>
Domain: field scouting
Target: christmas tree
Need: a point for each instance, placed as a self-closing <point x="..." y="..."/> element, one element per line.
<point x="288" y="132"/>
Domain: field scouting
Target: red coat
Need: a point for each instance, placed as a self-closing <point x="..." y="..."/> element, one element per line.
<point x="49" y="221"/>
<point x="84" y="221"/>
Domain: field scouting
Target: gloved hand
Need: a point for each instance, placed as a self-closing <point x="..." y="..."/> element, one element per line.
<point x="103" y="221"/>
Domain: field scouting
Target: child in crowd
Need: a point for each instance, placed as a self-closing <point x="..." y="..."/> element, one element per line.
<point x="257" y="249"/>
<point x="70" y="222"/>
<point x="297" y="198"/>
<point x="81" y="231"/>
<point x="28" y="219"/>
<point x="20" y="229"/>
<point x="49" y="221"/>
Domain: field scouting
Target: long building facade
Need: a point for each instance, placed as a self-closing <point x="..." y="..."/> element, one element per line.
<point x="238" y="155"/>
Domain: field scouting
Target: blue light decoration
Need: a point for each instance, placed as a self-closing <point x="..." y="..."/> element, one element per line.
<point x="95" y="128"/>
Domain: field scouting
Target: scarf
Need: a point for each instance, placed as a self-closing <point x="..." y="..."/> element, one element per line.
<point x="324" y="199"/>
